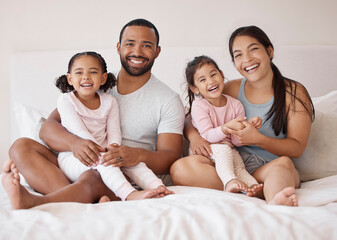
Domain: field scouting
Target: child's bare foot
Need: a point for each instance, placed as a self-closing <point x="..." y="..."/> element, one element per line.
<point x="255" y="190"/>
<point x="163" y="191"/>
<point x="19" y="197"/>
<point x="144" y="194"/>
<point x="104" y="199"/>
<point x="236" y="186"/>
<point x="286" y="197"/>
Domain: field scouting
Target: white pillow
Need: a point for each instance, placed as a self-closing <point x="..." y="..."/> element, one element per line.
<point x="29" y="120"/>
<point x="319" y="159"/>
<point x="326" y="103"/>
<point x="320" y="156"/>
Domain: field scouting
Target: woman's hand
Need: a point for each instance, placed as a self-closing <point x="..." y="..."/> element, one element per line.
<point x="235" y="124"/>
<point x="87" y="152"/>
<point x="249" y="135"/>
<point x="256" y="122"/>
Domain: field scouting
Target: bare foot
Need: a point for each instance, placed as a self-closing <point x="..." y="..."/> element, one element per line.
<point x="163" y="191"/>
<point x="255" y="190"/>
<point x="144" y="194"/>
<point x="286" y="197"/>
<point x="104" y="199"/>
<point x="19" y="197"/>
<point x="236" y="186"/>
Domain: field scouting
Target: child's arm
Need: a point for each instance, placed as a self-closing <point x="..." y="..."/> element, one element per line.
<point x="201" y="118"/>
<point x="70" y="119"/>
<point x="114" y="133"/>
<point x="241" y="116"/>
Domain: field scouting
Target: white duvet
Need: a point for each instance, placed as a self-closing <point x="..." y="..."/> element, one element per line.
<point x="191" y="213"/>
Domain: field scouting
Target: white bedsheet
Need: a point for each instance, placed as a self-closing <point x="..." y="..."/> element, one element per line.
<point x="191" y="213"/>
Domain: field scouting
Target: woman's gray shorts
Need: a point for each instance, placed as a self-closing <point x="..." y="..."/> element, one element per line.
<point x="252" y="161"/>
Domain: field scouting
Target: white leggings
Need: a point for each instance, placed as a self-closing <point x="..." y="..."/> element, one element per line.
<point x="112" y="177"/>
<point x="229" y="165"/>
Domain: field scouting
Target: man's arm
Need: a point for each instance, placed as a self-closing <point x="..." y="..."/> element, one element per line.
<point x="169" y="149"/>
<point x="60" y="140"/>
<point x="55" y="135"/>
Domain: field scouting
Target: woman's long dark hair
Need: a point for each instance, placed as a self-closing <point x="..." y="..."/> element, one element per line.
<point x="281" y="85"/>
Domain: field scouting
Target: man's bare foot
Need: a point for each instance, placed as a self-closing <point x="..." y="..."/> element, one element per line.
<point x="163" y="191"/>
<point x="255" y="190"/>
<point x="144" y="194"/>
<point x="236" y="186"/>
<point x="19" y="197"/>
<point x="286" y="197"/>
<point x="104" y="199"/>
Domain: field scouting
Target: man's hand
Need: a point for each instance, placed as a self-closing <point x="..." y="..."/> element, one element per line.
<point x="87" y="152"/>
<point x="121" y="156"/>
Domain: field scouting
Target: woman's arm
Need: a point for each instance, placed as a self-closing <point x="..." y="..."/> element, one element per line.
<point x="298" y="124"/>
<point x="198" y="145"/>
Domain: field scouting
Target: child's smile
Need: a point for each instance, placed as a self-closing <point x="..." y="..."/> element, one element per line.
<point x="209" y="82"/>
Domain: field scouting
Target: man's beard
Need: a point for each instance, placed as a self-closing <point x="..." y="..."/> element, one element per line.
<point x="134" y="71"/>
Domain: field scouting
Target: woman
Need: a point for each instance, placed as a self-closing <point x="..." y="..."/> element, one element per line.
<point x="285" y="108"/>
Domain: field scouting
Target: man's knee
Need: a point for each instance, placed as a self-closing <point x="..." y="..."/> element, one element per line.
<point x="90" y="177"/>
<point x="21" y="145"/>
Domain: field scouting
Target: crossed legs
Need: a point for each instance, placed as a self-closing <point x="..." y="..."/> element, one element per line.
<point x="39" y="167"/>
<point x="279" y="177"/>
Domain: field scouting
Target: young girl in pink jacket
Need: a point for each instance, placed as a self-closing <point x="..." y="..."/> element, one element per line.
<point x="213" y="113"/>
<point x="90" y="113"/>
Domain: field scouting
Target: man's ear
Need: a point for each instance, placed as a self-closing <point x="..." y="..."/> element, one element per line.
<point x="118" y="48"/>
<point x="69" y="79"/>
<point x="158" y="50"/>
<point x="105" y="77"/>
<point x="195" y="90"/>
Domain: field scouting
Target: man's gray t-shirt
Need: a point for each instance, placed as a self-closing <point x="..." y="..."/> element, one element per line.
<point x="151" y="110"/>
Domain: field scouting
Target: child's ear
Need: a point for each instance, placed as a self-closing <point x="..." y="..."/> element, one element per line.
<point x="222" y="75"/>
<point x="69" y="79"/>
<point x="195" y="90"/>
<point x="105" y="77"/>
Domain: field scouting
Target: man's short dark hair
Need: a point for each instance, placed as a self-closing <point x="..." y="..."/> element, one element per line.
<point x="140" y="22"/>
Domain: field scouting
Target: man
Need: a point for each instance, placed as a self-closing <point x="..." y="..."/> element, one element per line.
<point x="152" y="117"/>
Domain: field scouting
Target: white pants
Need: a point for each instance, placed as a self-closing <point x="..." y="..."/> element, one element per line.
<point x="229" y="165"/>
<point x="112" y="177"/>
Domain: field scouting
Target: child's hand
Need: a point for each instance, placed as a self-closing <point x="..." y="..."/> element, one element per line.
<point x="235" y="124"/>
<point x="87" y="152"/>
<point x="256" y="122"/>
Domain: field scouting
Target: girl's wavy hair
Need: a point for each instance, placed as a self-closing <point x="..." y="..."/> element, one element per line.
<point x="62" y="82"/>
<point x="190" y="70"/>
<point x="281" y="85"/>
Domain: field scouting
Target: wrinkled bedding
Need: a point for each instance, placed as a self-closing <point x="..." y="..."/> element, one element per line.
<point x="191" y="213"/>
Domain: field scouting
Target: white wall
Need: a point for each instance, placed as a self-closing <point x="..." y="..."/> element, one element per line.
<point x="39" y="25"/>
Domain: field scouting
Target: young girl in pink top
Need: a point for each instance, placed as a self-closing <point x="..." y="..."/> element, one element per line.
<point x="94" y="115"/>
<point x="213" y="113"/>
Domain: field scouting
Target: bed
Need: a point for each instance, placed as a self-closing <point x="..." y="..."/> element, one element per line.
<point x="190" y="213"/>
